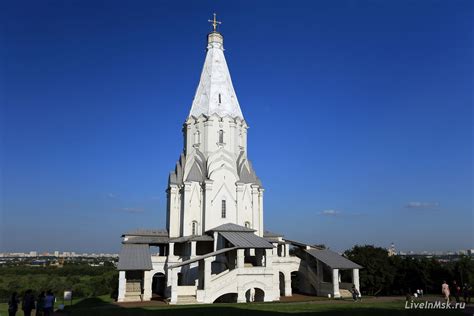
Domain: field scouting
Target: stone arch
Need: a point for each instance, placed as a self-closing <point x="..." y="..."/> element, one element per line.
<point x="226" y="298"/>
<point x="297" y="278"/>
<point x="255" y="294"/>
<point x="281" y="278"/>
<point x="259" y="290"/>
<point x="158" y="285"/>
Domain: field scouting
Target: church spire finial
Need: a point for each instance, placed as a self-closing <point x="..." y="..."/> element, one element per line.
<point x="214" y="22"/>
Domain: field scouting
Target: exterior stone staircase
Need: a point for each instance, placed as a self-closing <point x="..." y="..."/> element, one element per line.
<point x="187" y="299"/>
<point x="345" y="293"/>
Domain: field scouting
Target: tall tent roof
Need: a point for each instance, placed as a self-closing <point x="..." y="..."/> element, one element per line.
<point x="215" y="93"/>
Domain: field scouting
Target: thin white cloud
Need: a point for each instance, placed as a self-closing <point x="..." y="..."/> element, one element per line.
<point x="423" y="205"/>
<point x="111" y="195"/>
<point x="329" y="212"/>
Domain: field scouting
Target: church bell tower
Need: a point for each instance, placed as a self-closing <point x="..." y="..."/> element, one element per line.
<point x="213" y="182"/>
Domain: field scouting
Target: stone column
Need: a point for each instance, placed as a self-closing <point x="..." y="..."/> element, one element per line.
<point x="122" y="288"/>
<point x="288" y="291"/>
<point x="193" y="249"/>
<point x="268" y="258"/>
<point x="147" y="282"/>
<point x="240" y="258"/>
<point x="335" y="283"/>
<point x="174" y="213"/>
<point x="287" y="250"/>
<point x="355" y="279"/>
<point x="239" y="189"/>
<point x="255" y="210"/>
<point x="207" y="272"/>
<point x="241" y="295"/>
<point x="171" y="250"/>
<point x="216" y="237"/>
<point x="186" y="220"/>
<point x="260" y="211"/>
<point x="207" y="205"/>
<point x="174" y="285"/>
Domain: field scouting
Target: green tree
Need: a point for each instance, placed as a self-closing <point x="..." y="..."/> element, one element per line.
<point x="378" y="273"/>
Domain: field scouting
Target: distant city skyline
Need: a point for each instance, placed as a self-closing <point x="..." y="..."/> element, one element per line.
<point x="365" y="109"/>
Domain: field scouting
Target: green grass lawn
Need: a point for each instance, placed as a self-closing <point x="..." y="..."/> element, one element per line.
<point x="103" y="306"/>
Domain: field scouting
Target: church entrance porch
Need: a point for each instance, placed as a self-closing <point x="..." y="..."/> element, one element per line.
<point x="158" y="285"/>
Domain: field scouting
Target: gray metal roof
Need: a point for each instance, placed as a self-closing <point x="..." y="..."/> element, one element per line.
<point x="135" y="257"/>
<point x="192" y="238"/>
<point x="333" y="259"/>
<point x="231" y="227"/>
<point x="207" y="255"/>
<point x="147" y="232"/>
<point x="146" y="240"/>
<point x="245" y="240"/>
<point x="296" y="243"/>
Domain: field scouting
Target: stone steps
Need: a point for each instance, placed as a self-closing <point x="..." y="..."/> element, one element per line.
<point x="345" y="293"/>
<point x="187" y="299"/>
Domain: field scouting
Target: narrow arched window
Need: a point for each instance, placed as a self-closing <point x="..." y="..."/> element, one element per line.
<point x="221" y="136"/>
<point x="197" y="137"/>
<point x="194" y="228"/>
<point x="247" y="224"/>
<point x="223" y="211"/>
<point x="220" y="101"/>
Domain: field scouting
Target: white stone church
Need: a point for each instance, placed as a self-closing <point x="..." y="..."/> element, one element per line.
<point x="215" y="248"/>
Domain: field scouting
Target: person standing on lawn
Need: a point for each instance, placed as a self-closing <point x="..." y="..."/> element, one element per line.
<point x="13" y="304"/>
<point x="445" y="291"/>
<point x="28" y="303"/>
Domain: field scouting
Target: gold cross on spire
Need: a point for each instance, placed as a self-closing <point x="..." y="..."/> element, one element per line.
<point x="214" y="22"/>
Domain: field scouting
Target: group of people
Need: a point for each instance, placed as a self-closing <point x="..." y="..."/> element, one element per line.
<point x="43" y="304"/>
<point x="457" y="291"/>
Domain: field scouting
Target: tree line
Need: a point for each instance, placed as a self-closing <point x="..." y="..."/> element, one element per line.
<point x="396" y="275"/>
<point x="83" y="280"/>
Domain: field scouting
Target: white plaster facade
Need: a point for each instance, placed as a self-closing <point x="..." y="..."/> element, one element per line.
<point x="214" y="247"/>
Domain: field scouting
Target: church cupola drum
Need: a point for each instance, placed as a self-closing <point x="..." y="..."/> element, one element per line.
<point x="213" y="182"/>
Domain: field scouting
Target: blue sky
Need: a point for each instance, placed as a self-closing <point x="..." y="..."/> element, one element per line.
<point x="360" y="117"/>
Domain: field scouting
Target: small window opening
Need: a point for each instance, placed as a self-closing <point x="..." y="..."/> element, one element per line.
<point x="220" y="99"/>
<point x="223" y="209"/>
<point x="221" y="136"/>
<point x="194" y="228"/>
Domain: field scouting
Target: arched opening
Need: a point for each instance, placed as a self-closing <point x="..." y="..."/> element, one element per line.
<point x="254" y="295"/>
<point x="194" y="228"/>
<point x="221" y="136"/>
<point x="197" y="138"/>
<point x="247" y="224"/>
<point x="282" y="284"/>
<point x="227" y="298"/>
<point x="296" y="282"/>
<point x="158" y="285"/>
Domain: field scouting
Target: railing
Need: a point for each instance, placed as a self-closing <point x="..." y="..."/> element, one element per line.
<point x="223" y="279"/>
<point x="159" y="259"/>
<point x="187" y="290"/>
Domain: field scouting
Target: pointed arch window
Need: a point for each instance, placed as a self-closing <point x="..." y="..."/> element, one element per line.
<point x="194" y="228"/>
<point x="221" y="136"/>
<point x="223" y="210"/>
<point x="197" y="138"/>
